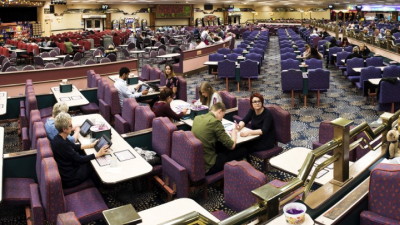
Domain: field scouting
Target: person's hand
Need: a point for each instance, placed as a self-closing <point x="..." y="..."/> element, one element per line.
<point x="103" y="151"/>
<point x="244" y="133"/>
<point x="237" y="126"/>
<point x="94" y="143"/>
<point x="234" y="131"/>
<point x="184" y="111"/>
<point x="77" y="129"/>
<point x="137" y="86"/>
<point x="145" y="92"/>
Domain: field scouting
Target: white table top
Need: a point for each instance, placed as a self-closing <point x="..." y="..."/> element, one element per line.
<point x="292" y="160"/>
<point x="151" y="47"/>
<point x="61" y="56"/>
<point x="46" y="48"/>
<point x="123" y="45"/>
<point x="281" y="220"/>
<point x="3" y="102"/>
<point x="169" y="55"/>
<point x="171" y="210"/>
<point x="130" y="87"/>
<point x="50" y="58"/>
<point x="137" y="51"/>
<point x="1" y="161"/>
<point x="375" y="81"/>
<point x="121" y="171"/>
<point x="73" y="98"/>
<point x="358" y="69"/>
<point x="229" y="126"/>
<point x="18" y="50"/>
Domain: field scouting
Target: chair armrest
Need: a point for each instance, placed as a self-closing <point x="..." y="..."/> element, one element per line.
<point x="105" y="110"/>
<point x="121" y="125"/>
<point x="175" y="176"/>
<point x="369" y="217"/>
<point x="36" y="205"/>
<point x="26" y="142"/>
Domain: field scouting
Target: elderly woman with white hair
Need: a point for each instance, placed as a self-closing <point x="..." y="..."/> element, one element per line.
<point x="51" y="129"/>
<point x="73" y="164"/>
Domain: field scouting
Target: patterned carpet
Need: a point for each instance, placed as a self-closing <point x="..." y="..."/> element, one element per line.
<point x="342" y="100"/>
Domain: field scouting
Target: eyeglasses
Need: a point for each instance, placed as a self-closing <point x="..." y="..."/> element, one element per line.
<point x="256" y="102"/>
<point x="70" y="126"/>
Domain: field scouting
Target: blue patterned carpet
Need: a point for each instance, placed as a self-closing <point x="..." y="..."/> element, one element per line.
<point x="342" y="100"/>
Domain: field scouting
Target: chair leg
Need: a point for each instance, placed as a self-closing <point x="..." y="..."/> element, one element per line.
<point x="226" y="84"/>
<point x="249" y="84"/>
<point x="392" y="110"/>
<point x="318" y="95"/>
<point x="292" y="97"/>
<point x="305" y="100"/>
<point x="238" y="86"/>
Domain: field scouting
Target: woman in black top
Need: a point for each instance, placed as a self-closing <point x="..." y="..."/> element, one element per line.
<point x="73" y="164"/>
<point x="172" y="80"/>
<point x="261" y="124"/>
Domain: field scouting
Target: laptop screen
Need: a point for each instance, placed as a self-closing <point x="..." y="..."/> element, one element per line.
<point x="102" y="141"/>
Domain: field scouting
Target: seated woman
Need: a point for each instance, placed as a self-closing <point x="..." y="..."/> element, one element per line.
<point x="364" y="51"/>
<point x="73" y="165"/>
<point x="307" y="51"/>
<point x="261" y="124"/>
<point x="207" y="95"/>
<point x="172" y="80"/>
<point x="51" y="129"/>
<point x="162" y="108"/>
<point x="354" y="54"/>
<point x="314" y="54"/>
<point x="345" y="42"/>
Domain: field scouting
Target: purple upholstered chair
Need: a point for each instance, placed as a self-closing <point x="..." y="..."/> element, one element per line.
<point x="333" y="50"/>
<point x="391" y="71"/>
<point x="318" y="80"/>
<point x="352" y="75"/>
<point x="248" y="70"/>
<point x="258" y="51"/>
<point x="16" y="191"/>
<point x="242" y="45"/>
<point x="374" y="61"/>
<point x="145" y="74"/>
<point x="325" y="134"/>
<point x="69" y="64"/>
<point x="68" y="218"/>
<point x="162" y="138"/>
<point x="89" y="78"/>
<point x="110" y="105"/>
<point x="182" y="89"/>
<point x="243" y="108"/>
<point x="232" y="56"/>
<point x="224" y="51"/>
<point x="255" y="57"/>
<point x="314" y="64"/>
<point x="287" y="49"/>
<point x="369" y="72"/>
<point x="291" y="81"/>
<point x="186" y="164"/>
<point x="238" y="50"/>
<point x="226" y="69"/>
<point x="143" y="117"/>
<point x="90" y="108"/>
<point x="43" y="151"/>
<point x="281" y="120"/>
<point x="290" y="64"/>
<point x="383" y="197"/>
<point x="389" y="95"/>
<point x="87" y="204"/>
<point x="288" y="55"/>
<point x="228" y="99"/>
<point x="155" y="74"/>
<point x="339" y="57"/>
<point x="31" y="103"/>
<point x="125" y="122"/>
<point x="38" y="131"/>
<point x="216" y="57"/>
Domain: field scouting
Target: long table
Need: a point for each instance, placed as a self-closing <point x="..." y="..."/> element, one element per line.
<point x="73" y="98"/>
<point x="117" y="170"/>
<point x="3" y="102"/>
<point x="130" y="87"/>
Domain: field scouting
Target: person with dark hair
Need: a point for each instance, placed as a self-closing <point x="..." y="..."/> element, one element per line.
<point x="314" y="54"/>
<point x="261" y="124"/>
<point x="123" y="90"/>
<point x="209" y="130"/>
<point x="172" y="80"/>
<point x="68" y="46"/>
<point x="345" y="42"/>
<point x="364" y="51"/>
<point x="73" y="165"/>
<point x="162" y="108"/>
<point x="354" y="54"/>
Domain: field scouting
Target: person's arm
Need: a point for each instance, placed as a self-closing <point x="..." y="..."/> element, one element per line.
<point x="223" y="137"/>
<point x="246" y="119"/>
<point x="103" y="150"/>
<point x="171" y="114"/>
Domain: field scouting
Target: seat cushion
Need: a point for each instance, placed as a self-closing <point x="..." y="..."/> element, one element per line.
<point x="87" y="204"/>
<point x="90" y="108"/>
<point x="16" y="191"/>
<point x="268" y="153"/>
<point x="86" y="184"/>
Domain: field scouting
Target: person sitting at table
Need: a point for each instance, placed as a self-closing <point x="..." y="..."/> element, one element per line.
<point x="364" y="51"/>
<point x="68" y="46"/>
<point x="51" y="130"/>
<point x="172" y="80"/>
<point x="354" y="54"/>
<point x="307" y="51"/>
<point x="200" y="44"/>
<point x="314" y="54"/>
<point x="218" y="146"/>
<point x="207" y="95"/>
<point x="261" y="124"/>
<point x="73" y="165"/>
<point x="123" y="90"/>
<point x="345" y="42"/>
<point x="162" y="107"/>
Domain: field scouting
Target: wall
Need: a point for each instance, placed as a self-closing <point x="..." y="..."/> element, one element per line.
<point x="177" y="22"/>
<point x="129" y="9"/>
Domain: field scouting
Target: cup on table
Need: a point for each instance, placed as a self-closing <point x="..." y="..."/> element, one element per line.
<point x="295" y="213"/>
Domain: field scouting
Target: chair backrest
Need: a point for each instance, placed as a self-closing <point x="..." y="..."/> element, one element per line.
<point x="216" y="57"/>
<point x="389" y="93"/>
<point x="243" y="107"/>
<point x="155" y="73"/>
<point x="391" y="71"/>
<point x="43" y="151"/>
<point x="69" y="64"/>
<point x="354" y="63"/>
<point x="340" y="56"/>
<point x="291" y="80"/>
<point x="143" y="117"/>
<point x="282" y="122"/>
<point x="128" y="111"/>
<point x="240" y="178"/>
<point x="228" y="99"/>
<point x="248" y="69"/>
<point x="226" y="68"/>
<point x="53" y="53"/>
<point x="112" y="57"/>
<point x="255" y="57"/>
<point x="162" y="135"/>
<point x="50" y="66"/>
<point x="232" y="56"/>
<point x="318" y="79"/>
<point x="28" y="67"/>
<point x="111" y="97"/>
<point x="288" y="55"/>
<point x="369" y="72"/>
<point x="238" y="50"/>
<point x="5" y="66"/>
<point x="30" y="104"/>
<point x="188" y="152"/>
<point x="51" y="192"/>
<point x="290" y="64"/>
<point x="101" y="86"/>
<point x="77" y="57"/>
<point x="90" y="62"/>
<point x="374" y="61"/>
<point x="38" y="131"/>
<point x="105" y="60"/>
<point x="11" y="69"/>
<point x="383" y="197"/>
<point x="314" y="63"/>
<point x="45" y="54"/>
<point x="224" y="51"/>
<point x="145" y="74"/>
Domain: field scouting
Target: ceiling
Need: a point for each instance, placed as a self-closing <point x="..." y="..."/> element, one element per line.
<point x="341" y="4"/>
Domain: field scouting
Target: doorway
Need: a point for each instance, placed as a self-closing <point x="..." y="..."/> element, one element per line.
<point x="94" y="24"/>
